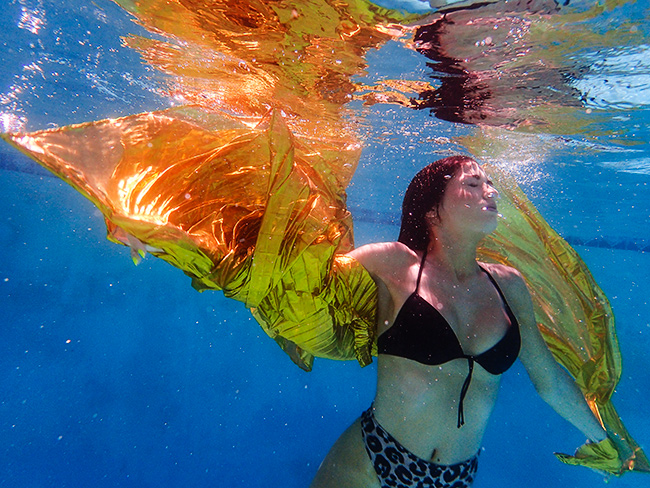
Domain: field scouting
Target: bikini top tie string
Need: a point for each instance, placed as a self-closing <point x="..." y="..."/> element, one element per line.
<point x="463" y="391"/>
<point x="470" y="359"/>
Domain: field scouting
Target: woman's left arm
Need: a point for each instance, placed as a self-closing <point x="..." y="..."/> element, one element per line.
<point x="552" y="382"/>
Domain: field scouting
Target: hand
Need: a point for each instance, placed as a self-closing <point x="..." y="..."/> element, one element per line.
<point x="601" y="456"/>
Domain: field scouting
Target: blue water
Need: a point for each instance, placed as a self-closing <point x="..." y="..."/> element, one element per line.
<point x="116" y="375"/>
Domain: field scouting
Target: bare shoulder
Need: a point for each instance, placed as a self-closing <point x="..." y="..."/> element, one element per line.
<point x="502" y="272"/>
<point x="511" y="283"/>
<point x="382" y="257"/>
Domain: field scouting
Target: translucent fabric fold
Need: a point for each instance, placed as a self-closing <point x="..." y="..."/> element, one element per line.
<point x="572" y="312"/>
<point x="255" y="212"/>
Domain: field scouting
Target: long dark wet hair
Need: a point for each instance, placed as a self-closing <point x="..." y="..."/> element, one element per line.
<point x="423" y="194"/>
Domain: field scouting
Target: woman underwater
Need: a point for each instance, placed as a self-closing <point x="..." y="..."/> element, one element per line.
<point x="448" y="327"/>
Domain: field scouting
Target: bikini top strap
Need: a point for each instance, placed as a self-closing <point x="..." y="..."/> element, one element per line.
<point x="424" y="256"/>
<point x="496" y="285"/>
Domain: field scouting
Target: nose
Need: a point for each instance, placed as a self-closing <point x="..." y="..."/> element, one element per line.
<point x="491" y="192"/>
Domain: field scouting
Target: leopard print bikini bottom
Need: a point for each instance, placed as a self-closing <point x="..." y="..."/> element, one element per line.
<point x="397" y="467"/>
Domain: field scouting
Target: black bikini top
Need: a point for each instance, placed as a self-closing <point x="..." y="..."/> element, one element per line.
<point x="422" y="334"/>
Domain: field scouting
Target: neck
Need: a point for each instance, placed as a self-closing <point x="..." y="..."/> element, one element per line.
<point x="457" y="257"/>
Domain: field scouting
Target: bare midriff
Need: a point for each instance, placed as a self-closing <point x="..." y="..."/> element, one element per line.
<point x="418" y="405"/>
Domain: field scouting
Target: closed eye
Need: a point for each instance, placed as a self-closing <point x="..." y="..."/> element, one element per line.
<point x="474" y="180"/>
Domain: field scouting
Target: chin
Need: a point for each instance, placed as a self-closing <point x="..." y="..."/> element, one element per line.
<point x="490" y="226"/>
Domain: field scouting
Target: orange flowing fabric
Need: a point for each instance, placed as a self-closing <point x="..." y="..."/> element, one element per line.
<point x="245" y="190"/>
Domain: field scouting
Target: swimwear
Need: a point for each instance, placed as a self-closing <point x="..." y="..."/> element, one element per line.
<point x="396" y="466"/>
<point x="422" y="334"/>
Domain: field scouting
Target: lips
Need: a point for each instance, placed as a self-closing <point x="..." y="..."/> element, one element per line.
<point x="490" y="208"/>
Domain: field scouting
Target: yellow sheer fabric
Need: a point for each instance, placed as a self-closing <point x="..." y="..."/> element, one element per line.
<point x="257" y="213"/>
<point x="572" y="312"/>
<point x="603" y="456"/>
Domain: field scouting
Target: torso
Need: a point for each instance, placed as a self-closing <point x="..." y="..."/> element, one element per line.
<point x="428" y="339"/>
<point x="422" y="334"/>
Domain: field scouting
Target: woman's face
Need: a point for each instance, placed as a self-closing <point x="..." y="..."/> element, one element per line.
<point x="469" y="201"/>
